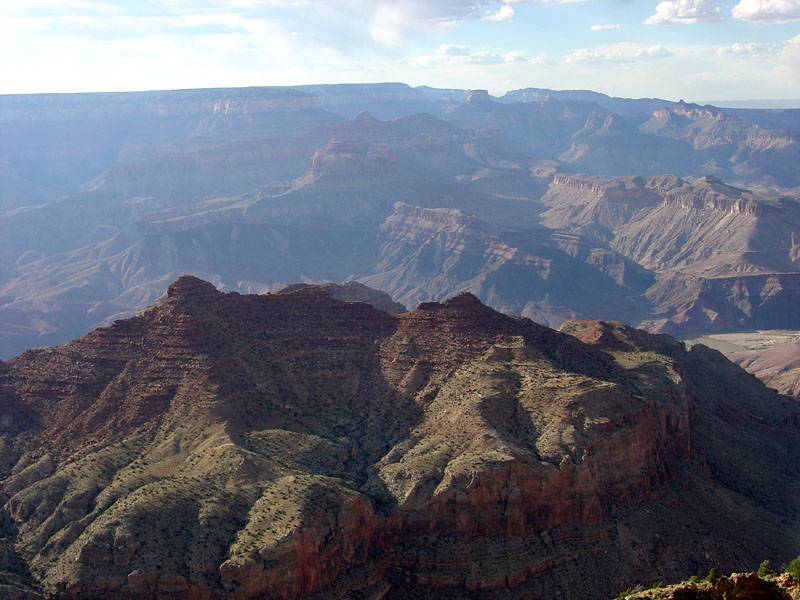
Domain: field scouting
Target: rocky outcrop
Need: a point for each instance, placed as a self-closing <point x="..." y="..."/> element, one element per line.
<point x="291" y="444"/>
<point x="737" y="586"/>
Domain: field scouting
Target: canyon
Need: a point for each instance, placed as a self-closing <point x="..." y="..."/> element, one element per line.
<point x="227" y="445"/>
<point x="369" y="341"/>
<point x="673" y="217"/>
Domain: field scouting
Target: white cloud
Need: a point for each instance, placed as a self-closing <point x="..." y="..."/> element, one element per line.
<point x="452" y="54"/>
<point x="684" y="11"/>
<point x="584" y="56"/>
<point x="515" y="56"/>
<point x="605" y="27"/>
<point x="544" y="1"/>
<point x="452" y="50"/>
<point x="41" y="8"/>
<point x="620" y="53"/>
<point x="393" y="22"/>
<point x="341" y="23"/>
<point x="655" y="52"/>
<point x="120" y="27"/>
<point x="768" y="11"/>
<point x="782" y="54"/>
<point x="504" y="14"/>
<point x="749" y="49"/>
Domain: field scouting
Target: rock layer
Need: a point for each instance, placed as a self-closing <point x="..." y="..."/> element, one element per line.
<point x="226" y="445"/>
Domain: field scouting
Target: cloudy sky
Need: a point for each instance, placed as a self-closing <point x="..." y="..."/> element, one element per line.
<point x="692" y="49"/>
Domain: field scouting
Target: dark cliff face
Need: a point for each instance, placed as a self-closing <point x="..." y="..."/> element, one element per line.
<point x="227" y="445"/>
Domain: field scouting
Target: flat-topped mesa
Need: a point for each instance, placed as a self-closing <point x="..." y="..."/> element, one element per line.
<point x="189" y="286"/>
<point x="478" y="96"/>
<point x="706" y="193"/>
<point x="711" y="193"/>
<point x="421" y="217"/>
<point x="345" y="159"/>
<point x="619" y="189"/>
<point x="738" y="206"/>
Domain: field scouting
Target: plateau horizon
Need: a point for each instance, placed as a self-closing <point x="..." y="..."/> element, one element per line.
<point x="692" y="49"/>
<point x="755" y="103"/>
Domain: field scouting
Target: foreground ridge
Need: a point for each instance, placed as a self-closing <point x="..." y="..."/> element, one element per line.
<point x="292" y="444"/>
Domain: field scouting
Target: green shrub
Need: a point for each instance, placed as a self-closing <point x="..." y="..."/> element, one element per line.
<point x="712" y="576"/>
<point x="695" y="579"/>
<point x="793" y="568"/>
<point x="626" y="593"/>
<point x="765" y="569"/>
<point x="657" y="585"/>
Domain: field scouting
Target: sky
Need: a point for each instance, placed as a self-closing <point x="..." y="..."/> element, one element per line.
<point x="697" y="50"/>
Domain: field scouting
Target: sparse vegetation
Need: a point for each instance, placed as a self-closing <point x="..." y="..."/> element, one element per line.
<point x="765" y="569"/>
<point x="712" y="576"/>
<point x="793" y="568"/>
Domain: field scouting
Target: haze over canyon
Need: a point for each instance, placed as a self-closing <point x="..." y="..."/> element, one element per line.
<point x="674" y="217"/>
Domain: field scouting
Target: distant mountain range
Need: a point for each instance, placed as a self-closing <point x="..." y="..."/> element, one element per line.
<point x="552" y="204"/>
